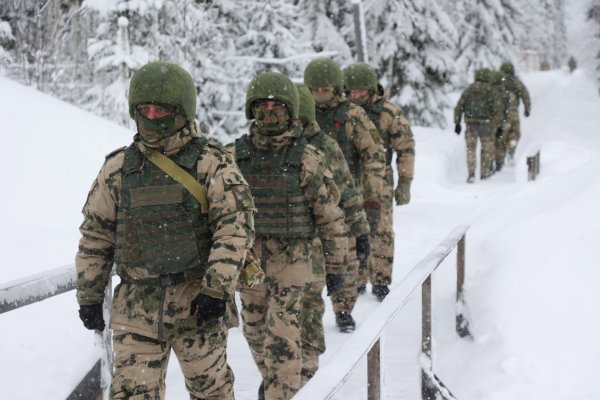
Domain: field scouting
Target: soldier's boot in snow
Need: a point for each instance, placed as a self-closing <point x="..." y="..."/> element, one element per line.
<point x="499" y="166"/>
<point x="361" y="289"/>
<point x="261" y="391"/>
<point x="345" y="322"/>
<point x="380" y="291"/>
<point x="471" y="178"/>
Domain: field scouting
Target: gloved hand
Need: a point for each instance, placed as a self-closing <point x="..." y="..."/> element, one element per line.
<point x="499" y="132"/>
<point x="457" y="129"/>
<point x="402" y="193"/>
<point x="363" y="248"/>
<point x="207" y="308"/>
<point x="91" y="315"/>
<point x="526" y="113"/>
<point x="372" y="210"/>
<point x="334" y="283"/>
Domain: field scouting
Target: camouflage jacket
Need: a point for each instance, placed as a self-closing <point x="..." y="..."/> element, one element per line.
<point x="351" y="200"/>
<point x="482" y="97"/>
<point x="395" y="131"/>
<point x="363" y="135"/>
<point x="516" y="91"/>
<point x="321" y="192"/>
<point x="137" y="307"/>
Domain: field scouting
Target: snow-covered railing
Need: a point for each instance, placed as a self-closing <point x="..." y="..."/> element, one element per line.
<point x="330" y="377"/>
<point x="29" y="290"/>
<point x="533" y="166"/>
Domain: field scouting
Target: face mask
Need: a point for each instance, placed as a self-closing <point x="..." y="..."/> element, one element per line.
<point x="271" y="122"/>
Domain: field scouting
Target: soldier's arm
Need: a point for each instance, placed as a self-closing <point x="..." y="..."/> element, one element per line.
<point x="524" y="94"/>
<point x="403" y="142"/>
<point x="231" y="218"/>
<point x="370" y="148"/>
<point x="94" y="259"/>
<point x="328" y="216"/>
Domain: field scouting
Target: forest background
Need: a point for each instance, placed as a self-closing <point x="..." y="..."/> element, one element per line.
<point x="85" y="51"/>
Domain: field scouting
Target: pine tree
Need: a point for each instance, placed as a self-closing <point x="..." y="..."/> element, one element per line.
<point x="593" y="14"/>
<point x="413" y="56"/>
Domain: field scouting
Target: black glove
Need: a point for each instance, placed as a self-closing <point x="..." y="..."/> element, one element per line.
<point x="526" y="113"/>
<point x="207" y="308"/>
<point x="363" y="248"/>
<point x="499" y="132"/>
<point x="334" y="282"/>
<point x="457" y="129"/>
<point x="91" y="315"/>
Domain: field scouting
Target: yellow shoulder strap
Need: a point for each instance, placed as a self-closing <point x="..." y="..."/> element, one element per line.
<point x="180" y="175"/>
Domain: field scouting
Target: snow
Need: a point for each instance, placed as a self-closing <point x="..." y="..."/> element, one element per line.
<point x="532" y="265"/>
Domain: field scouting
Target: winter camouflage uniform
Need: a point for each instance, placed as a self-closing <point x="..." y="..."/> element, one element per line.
<point x="297" y="211"/>
<point x="313" y="340"/>
<point x="397" y="136"/>
<point x="167" y="250"/>
<point x="502" y="100"/>
<point x="516" y="92"/>
<point x="479" y="104"/>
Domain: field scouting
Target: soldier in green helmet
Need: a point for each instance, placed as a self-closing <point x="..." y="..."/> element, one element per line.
<point x="479" y="104"/>
<point x="297" y="213"/>
<point x="502" y="100"/>
<point x="362" y="88"/>
<point x="178" y="244"/>
<point x="356" y="225"/>
<point x="516" y="92"/>
<point x="359" y="140"/>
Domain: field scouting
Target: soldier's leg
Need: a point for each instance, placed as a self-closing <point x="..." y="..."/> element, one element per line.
<point x="313" y="308"/>
<point x="500" y="147"/>
<point x="471" y="140"/>
<point x="487" y="149"/>
<point x="203" y="361"/>
<point x="288" y="270"/>
<point x="382" y="241"/>
<point x="140" y="367"/>
<point x="254" y="314"/>
<point x="513" y="134"/>
<point x="345" y="299"/>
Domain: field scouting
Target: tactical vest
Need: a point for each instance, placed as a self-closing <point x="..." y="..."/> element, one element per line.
<point x="374" y="114"/>
<point x="160" y="226"/>
<point x="478" y="105"/>
<point x="333" y="123"/>
<point x="274" y="180"/>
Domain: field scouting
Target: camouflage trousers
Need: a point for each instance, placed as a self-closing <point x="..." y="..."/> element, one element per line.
<point x="313" y="309"/>
<point x="140" y="366"/>
<point x="345" y="299"/>
<point x="272" y="312"/>
<point x="483" y="132"/>
<point x="381" y="261"/>
<point x="511" y="133"/>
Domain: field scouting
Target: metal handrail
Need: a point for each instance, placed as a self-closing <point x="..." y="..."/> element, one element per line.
<point x="331" y="376"/>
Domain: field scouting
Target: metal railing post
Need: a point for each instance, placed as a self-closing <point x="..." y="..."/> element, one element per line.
<point x="374" y="371"/>
<point x="462" y="323"/>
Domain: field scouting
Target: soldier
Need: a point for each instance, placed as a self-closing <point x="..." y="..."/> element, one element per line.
<point x="479" y="104"/>
<point x="175" y="215"/>
<point x="291" y="187"/>
<point x="516" y="92"/>
<point x="363" y="89"/>
<point x="502" y="99"/>
<point x="356" y="135"/>
<point x="354" y="216"/>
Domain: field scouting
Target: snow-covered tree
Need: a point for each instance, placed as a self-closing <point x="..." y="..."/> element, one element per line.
<point x="412" y="53"/>
<point x="593" y="14"/>
<point x="7" y="41"/>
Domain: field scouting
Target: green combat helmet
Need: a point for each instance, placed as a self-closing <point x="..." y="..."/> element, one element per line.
<point x="307" y="105"/>
<point x="359" y="76"/>
<point x="483" y="75"/>
<point x="507" y="68"/>
<point x="272" y="86"/>
<point x="163" y="83"/>
<point x="324" y="72"/>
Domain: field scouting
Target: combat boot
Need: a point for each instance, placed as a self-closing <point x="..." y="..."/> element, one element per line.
<point x="499" y="166"/>
<point x="471" y="178"/>
<point x="345" y="322"/>
<point x="261" y="391"/>
<point x="361" y="289"/>
<point x="380" y="291"/>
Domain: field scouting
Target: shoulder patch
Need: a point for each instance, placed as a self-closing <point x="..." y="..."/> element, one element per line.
<point x="115" y="152"/>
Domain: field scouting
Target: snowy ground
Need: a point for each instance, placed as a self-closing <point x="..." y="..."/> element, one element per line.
<point x="532" y="268"/>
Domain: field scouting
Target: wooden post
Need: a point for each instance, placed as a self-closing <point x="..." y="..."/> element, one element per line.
<point x="462" y="323"/>
<point x="359" y="31"/>
<point x="374" y="372"/>
<point x="426" y="334"/>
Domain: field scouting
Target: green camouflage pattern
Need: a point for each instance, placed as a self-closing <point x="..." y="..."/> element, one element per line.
<point x="140" y="365"/>
<point x="478" y="102"/>
<point x="486" y="135"/>
<point x="363" y="136"/>
<point x="360" y="75"/>
<point x="272" y="312"/>
<point x="272" y="86"/>
<point x="517" y="92"/>
<point x="397" y="138"/>
<point x="324" y="72"/>
<point x="153" y="311"/>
